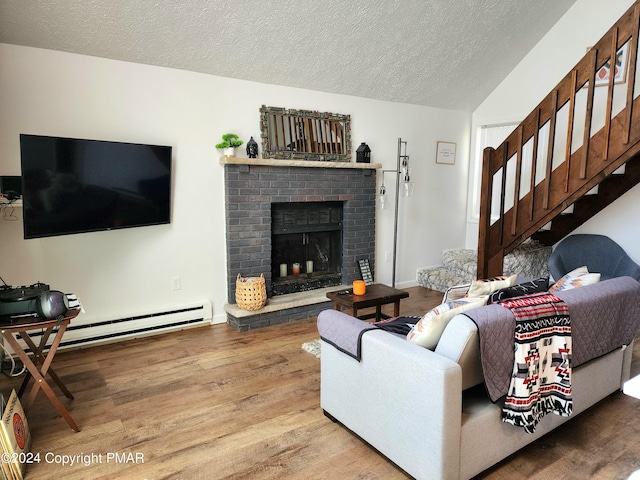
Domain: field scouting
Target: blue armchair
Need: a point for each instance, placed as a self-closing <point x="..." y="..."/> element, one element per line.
<point x="599" y="253"/>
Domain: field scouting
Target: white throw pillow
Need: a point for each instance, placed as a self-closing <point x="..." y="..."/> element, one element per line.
<point x="428" y="330"/>
<point x="490" y="285"/>
<point x="575" y="278"/>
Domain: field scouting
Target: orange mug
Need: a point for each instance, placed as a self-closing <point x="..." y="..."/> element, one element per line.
<point x="359" y="287"/>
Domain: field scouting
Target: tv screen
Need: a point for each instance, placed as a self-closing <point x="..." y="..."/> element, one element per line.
<point x="72" y="185"/>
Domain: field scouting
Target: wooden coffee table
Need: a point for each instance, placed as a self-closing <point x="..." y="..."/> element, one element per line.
<point x="376" y="296"/>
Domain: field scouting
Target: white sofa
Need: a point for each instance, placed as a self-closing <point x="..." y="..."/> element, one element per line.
<point x="425" y="411"/>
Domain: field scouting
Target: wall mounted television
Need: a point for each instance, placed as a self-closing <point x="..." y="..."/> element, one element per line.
<point x="74" y="185"/>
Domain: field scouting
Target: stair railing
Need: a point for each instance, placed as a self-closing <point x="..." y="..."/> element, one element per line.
<point x="585" y="129"/>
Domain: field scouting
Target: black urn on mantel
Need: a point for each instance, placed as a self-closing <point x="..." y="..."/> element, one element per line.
<point x="363" y="153"/>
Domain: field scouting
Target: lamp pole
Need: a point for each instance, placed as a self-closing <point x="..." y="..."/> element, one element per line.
<point x="402" y="162"/>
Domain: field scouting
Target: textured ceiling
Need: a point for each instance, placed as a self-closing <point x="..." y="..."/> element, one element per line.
<point x="440" y="53"/>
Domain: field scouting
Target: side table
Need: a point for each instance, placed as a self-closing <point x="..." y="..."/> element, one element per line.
<point x="39" y="364"/>
<point x="375" y="296"/>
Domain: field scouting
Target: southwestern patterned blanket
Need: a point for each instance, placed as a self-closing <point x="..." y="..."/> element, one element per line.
<point x="541" y="377"/>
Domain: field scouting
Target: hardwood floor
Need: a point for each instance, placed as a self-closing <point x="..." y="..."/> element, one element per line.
<point x="213" y="403"/>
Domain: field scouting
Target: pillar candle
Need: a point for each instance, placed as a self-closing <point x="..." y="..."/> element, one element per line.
<point x="283" y="269"/>
<point x="359" y="287"/>
<point x="309" y="266"/>
<point x="296" y="268"/>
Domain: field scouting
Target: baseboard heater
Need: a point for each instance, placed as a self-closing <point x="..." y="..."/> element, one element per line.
<point x="103" y="331"/>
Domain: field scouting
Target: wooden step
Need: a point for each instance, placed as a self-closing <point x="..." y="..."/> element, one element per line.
<point x="610" y="189"/>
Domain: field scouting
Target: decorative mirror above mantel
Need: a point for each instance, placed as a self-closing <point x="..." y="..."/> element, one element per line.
<point x="305" y="135"/>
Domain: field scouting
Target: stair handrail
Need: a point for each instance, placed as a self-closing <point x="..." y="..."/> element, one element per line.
<point x="580" y="170"/>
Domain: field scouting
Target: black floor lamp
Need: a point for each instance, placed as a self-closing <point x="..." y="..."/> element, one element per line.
<point x="402" y="169"/>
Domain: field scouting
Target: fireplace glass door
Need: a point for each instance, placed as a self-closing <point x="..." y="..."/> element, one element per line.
<point x="306" y="246"/>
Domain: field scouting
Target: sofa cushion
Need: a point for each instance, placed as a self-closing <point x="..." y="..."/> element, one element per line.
<point x="490" y="285"/>
<point x="520" y="289"/>
<point x="459" y="342"/>
<point x="575" y="278"/>
<point x="429" y="328"/>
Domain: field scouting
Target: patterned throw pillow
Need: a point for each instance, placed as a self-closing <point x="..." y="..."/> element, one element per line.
<point x="575" y="278"/>
<point x="490" y="285"/>
<point x="428" y="330"/>
<point x="526" y="288"/>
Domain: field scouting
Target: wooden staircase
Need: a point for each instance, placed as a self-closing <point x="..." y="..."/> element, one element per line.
<point x="578" y="150"/>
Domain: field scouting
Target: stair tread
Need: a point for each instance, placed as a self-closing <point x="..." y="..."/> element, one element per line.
<point x="611" y="188"/>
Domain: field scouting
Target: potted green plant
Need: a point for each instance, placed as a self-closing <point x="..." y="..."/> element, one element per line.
<point x="230" y="141"/>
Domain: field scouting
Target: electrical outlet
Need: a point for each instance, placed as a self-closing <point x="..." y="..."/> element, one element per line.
<point x="176" y="284"/>
<point x="387" y="256"/>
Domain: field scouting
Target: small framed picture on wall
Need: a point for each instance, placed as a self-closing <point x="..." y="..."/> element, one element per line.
<point x="446" y="153"/>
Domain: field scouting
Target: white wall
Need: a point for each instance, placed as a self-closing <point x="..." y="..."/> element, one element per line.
<point x="118" y="273"/>
<point x="536" y="75"/>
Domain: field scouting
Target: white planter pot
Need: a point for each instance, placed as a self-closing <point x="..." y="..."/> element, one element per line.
<point x="230" y="152"/>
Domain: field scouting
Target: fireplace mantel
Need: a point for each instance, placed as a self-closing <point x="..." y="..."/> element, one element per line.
<point x="297" y="163"/>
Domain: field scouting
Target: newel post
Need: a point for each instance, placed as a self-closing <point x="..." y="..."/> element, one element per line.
<point x="488" y="265"/>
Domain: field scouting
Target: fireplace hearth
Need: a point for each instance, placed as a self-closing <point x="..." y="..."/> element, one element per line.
<point x="278" y="214"/>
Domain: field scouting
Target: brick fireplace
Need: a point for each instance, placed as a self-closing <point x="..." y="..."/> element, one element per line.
<point x="253" y="186"/>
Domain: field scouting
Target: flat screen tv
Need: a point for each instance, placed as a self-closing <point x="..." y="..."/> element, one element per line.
<point x="73" y="185"/>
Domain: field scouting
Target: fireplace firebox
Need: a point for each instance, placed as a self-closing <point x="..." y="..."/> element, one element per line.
<point x="306" y="246"/>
